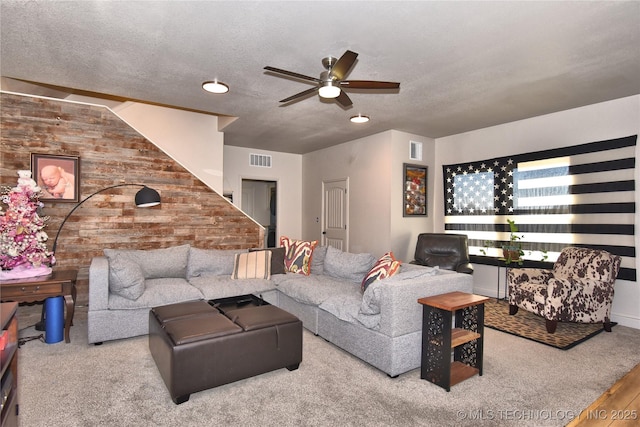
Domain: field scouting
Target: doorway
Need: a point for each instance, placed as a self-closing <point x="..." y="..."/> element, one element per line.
<point x="259" y="199"/>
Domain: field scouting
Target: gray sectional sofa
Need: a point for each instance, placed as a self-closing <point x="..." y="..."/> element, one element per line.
<point x="381" y="325"/>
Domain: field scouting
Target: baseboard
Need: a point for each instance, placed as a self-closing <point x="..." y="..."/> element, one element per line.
<point x="626" y="320"/>
<point x="487" y="291"/>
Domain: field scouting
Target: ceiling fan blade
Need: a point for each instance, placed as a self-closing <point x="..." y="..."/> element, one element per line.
<point x="301" y="94"/>
<point x="292" y="74"/>
<point x="343" y="99"/>
<point x="343" y="65"/>
<point x="368" y="84"/>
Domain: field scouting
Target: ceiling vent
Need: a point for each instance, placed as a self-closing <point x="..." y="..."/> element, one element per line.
<point x="415" y="150"/>
<point x="260" y="160"/>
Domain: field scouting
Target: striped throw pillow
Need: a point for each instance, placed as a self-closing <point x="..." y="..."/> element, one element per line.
<point x="252" y="265"/>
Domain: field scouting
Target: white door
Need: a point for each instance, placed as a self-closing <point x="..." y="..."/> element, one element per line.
<point x="335" y="213"/>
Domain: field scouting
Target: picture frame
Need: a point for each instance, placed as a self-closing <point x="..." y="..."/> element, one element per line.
<point x="57" y="176"/>
<point x="414" y="200"/>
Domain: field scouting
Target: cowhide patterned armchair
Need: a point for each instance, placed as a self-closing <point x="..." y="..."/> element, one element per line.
<point x="579" y="288"/>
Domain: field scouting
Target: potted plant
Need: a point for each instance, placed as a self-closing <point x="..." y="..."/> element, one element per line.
<point x="485" y="249"/>
<point x="512" y="252"/>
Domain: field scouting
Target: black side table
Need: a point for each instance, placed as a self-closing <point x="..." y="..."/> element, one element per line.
<point x="438" y="338"/>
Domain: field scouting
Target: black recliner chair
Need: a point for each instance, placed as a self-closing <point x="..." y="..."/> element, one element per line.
<point x="444" y="250"/>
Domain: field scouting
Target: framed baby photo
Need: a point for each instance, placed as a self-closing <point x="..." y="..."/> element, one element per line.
<point x="57" y="176"/>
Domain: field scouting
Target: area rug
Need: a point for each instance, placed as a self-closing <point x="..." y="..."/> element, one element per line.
<point x="527" y="325"/>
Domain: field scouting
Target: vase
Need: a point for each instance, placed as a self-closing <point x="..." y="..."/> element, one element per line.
<point x="511" y="254"/>
<point x="24" y="272"/>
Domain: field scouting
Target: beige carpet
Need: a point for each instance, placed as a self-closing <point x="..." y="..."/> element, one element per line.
<point x="527" y="325"/>
<point x="117" y="384"/>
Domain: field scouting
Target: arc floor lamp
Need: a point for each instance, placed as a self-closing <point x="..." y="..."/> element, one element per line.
<point x="145" y="197"/>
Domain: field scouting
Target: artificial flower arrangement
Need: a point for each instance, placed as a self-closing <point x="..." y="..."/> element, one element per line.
<point x="23" y="252"/>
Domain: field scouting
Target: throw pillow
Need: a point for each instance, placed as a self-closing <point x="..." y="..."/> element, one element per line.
<point x="277" y="259"/>
<point x="348" y="266"/>
<point x="317" y="262"/>
<point x="157" y="263"/>
<point x="297" y="258"/>
<point x="214" y="262"/>
<point x="125" y="277"/>
<point x="252" y="265"/>
<point x="385" y="267"/>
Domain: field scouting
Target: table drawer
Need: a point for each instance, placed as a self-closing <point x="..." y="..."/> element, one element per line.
<point x="23" y="290"/>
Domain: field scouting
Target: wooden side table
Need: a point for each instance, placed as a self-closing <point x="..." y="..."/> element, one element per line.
<point x="58" y="283"/>
<point x="438" y="337"/>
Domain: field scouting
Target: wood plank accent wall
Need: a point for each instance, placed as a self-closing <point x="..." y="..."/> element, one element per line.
<point x="111" y="153"/>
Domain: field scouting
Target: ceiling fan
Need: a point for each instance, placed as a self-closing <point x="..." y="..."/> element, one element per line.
<point x="331" y="83"/>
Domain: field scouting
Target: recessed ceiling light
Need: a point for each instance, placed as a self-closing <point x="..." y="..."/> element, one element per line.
<point x="359" y="119"/>
<point x="215" y="87"/>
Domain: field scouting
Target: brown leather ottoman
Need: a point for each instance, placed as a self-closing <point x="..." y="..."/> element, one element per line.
<point x="198" y="345"/>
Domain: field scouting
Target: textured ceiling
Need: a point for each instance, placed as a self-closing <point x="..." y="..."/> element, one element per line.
<point x="462" y="65"/>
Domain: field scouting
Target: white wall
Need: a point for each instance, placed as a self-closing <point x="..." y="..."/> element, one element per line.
<point x="607" y="120"/>
<point x="286" y="170"/>
<point x="366" y="163"/>
<point x="374" y="166"/>
<point x="404" y="230"/>
<point x="191" y="139"/>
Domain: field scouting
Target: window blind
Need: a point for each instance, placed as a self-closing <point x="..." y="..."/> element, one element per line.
<point x="583" y="195"/>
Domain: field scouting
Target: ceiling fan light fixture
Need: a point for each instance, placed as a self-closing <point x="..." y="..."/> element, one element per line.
<point x="359" y="119"/>
<point x="215" y="86"/>
<point x="329" y="91"/>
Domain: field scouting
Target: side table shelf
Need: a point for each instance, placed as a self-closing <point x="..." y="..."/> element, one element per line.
<point x="439" y="338"/>
<point x="9" y="364"/>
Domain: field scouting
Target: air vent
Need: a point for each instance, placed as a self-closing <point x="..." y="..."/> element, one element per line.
<point x="415" y="150"/>
<point x="260" y="160"/>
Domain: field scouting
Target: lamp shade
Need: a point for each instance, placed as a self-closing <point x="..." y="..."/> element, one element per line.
<point x="329" y="91"/>
<point x="147" y="197"/>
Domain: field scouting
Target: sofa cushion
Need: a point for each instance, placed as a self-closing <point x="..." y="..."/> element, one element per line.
<point x="314" y="289"/>
<point x="211" y="261"/>
<point x="156" y="263"/>
<point x="344" y="307"/>
<point x="277" y="259"/>
<point x="298" y="255"/>
<point x="214" y="286"/>
<point x="125" y="277"/>
<point x="157" y="292"/>
<point x="252" y="265"/>
<point x="370" y="303"/>
<point x="347" y="309"/>
<point x="413" y="271"/>
<point x="345" y="265"/>
<point x="317" y="260"/>
<point x="385" y="267"/>
<point x="371" y="297"/>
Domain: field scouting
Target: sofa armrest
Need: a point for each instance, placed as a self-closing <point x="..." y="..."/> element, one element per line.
<point x="99" y="284"/>
<point x="539" y="276"/>
<point x="400" y="312"/>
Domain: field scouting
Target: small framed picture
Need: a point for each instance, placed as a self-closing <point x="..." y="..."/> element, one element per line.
<point x="57" y="176"/>
<point x="415" y="190"/>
